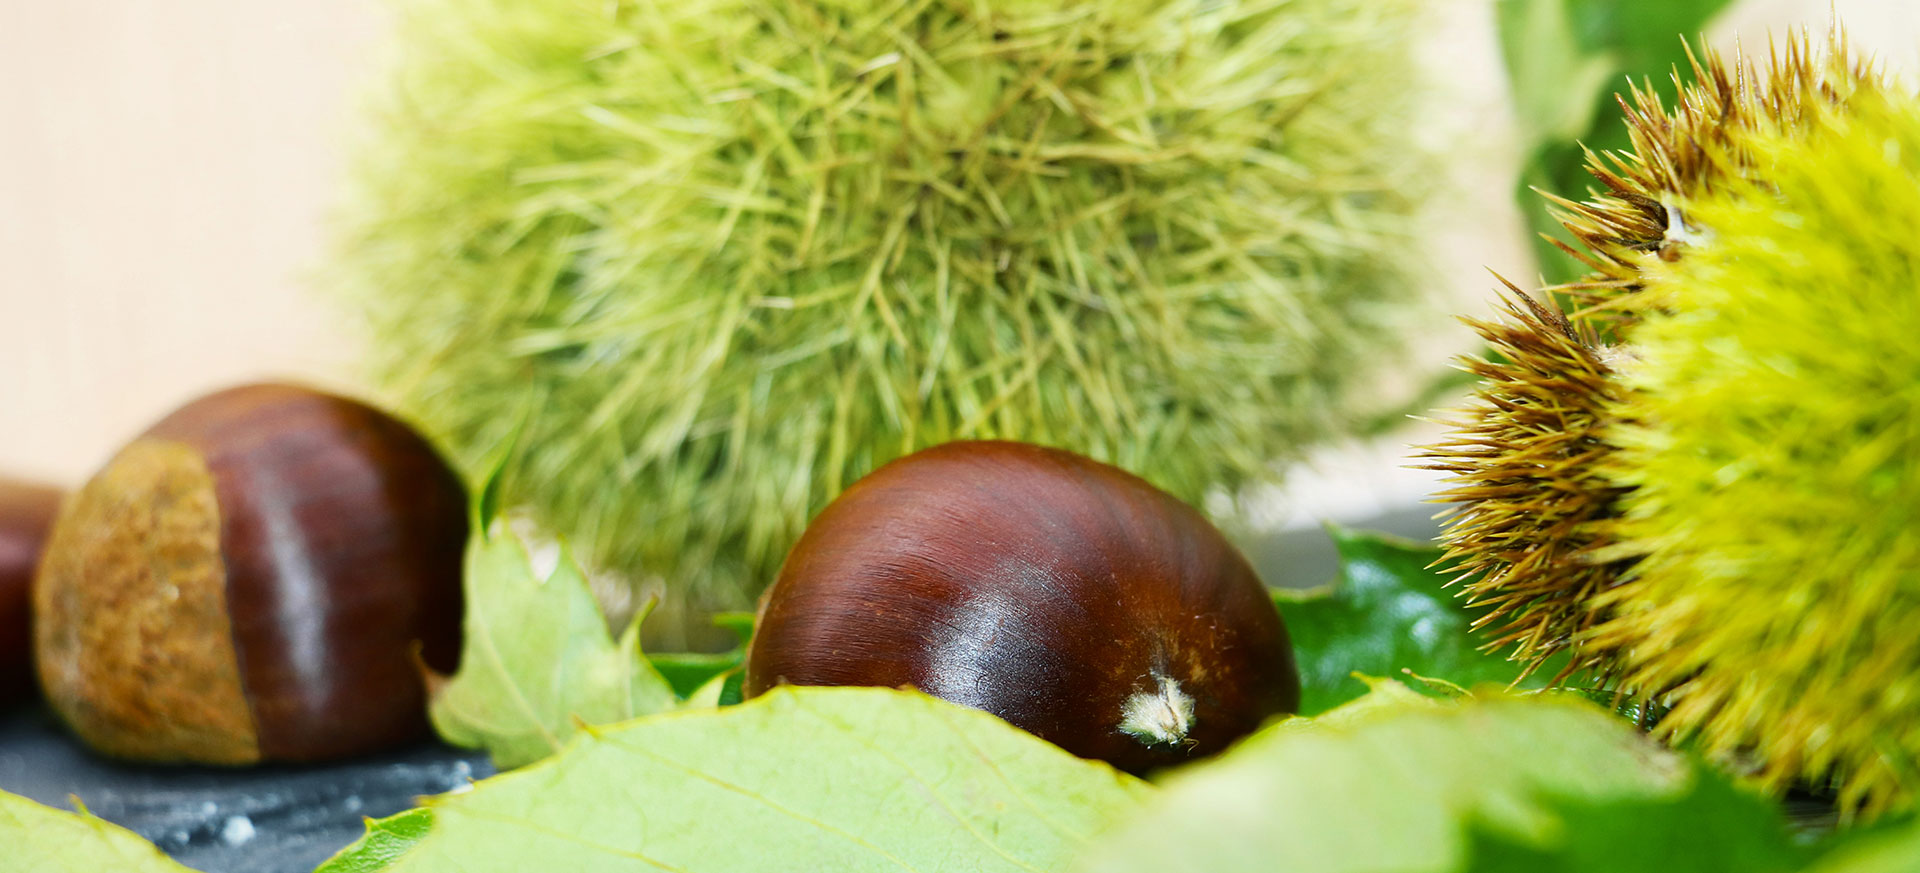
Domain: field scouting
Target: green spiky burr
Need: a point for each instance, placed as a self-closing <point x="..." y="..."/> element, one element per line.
<point x="1698" y="478"/>
<point x="708" y="262"/>
<point x="1533" y="520"/>
<point x="1770" y="452"/>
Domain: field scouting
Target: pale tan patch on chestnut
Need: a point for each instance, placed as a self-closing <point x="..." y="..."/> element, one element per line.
<point x="134" y="645"/>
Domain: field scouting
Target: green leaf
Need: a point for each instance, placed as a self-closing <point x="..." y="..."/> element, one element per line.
<point x="484" y="508"/>
<point x="385" y="841"/>
<point x="1400" y="787"/>
<point x="1643" y="37"/>
<point x="40" y="839"/>
<point x="1883" y="848"/>
<point x="1553" y="75"/>
<point x="1566" y="59"/>
<point x="1387" y="612"/>
<point x="714" y="692"/>
<point x="537" y="660"/>
<point x="688" y="672"/>
<point x="731" y="689"/>
<point x="842" y="779"/>
<point x="1711" y="828"/>
<point x="741" y="623"/>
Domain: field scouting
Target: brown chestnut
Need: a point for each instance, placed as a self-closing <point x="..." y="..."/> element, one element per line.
<point x="247" y="581"/>
<point x="26" y="514"/>
<point x="1064" y="595"/>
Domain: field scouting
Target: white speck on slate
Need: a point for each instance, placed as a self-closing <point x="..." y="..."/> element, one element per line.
<point x="237" y="830"/>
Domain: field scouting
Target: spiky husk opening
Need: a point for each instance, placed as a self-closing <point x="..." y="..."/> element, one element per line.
<point x="717" y="259"/>
<point x="1610" y="471"/>
<point x="1689" y="151"/>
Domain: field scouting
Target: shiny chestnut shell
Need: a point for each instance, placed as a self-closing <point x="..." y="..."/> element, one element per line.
<point x="1044" y="587"/>
<point x="26" y="514"/>
<point x="248" y="580"/>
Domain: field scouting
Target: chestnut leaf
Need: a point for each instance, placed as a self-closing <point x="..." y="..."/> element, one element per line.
<point x="1386" y="613"/>
<point x="842" y="779"/>
<point x="384" y="842"/>
<point x="537" y="660"/>
<point x="1711" y="828"/>
<point x="689" y="672"/>
<point x="42" y="839"/>
<point x="1893" y="848"/>
<point x="1417" y="784"/>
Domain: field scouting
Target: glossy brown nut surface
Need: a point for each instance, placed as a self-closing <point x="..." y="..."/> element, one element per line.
<point x="26" y="514"/>
<point x="1057" y="592"/>
<point x="247" y="580"/>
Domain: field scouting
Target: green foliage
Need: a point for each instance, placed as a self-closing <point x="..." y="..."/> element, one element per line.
<point x="384" y="842"/>
<point x="1566" y="59"/>
<point x="1771" y="441"/>
<point x="844" y="779"/>
<point x="537" y="660"/>
<point x="1710" y="828"/>
<point x="1893" y="849"/>
<point x="41" y="839"/>
<point x="687" y="672"/>
<point x="714" y="260"/>
<point x="1386" y="613"/>
<point x="1414" y="785"/>
<point x="875" y="779"/>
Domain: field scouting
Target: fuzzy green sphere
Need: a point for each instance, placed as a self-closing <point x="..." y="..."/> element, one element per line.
<point x="1700" y="481"/>
<point x="1770" y="447"/>
<point x="708" y="262"/>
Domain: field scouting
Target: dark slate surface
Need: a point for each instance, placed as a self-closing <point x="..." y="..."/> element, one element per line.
<point x="289" y="819"/>
<point x="260" y="820"/>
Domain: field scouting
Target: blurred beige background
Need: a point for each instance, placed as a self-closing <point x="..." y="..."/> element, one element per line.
<point x="166" y="170"/>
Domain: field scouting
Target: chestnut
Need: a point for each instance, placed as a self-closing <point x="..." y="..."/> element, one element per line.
<point x="248" y="580"/>
<point x="26" y="513"/>
<point x="1067" y="596"/>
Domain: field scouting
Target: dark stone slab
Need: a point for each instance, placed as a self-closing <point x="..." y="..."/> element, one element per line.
<point x="275" y="819"/>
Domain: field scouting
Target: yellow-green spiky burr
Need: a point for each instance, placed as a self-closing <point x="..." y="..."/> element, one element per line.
<point x="1769" y="450"/>
<point x="1694" y="470"/>
<point x="1532" y="509"/>
<point x="711" y="261"/>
